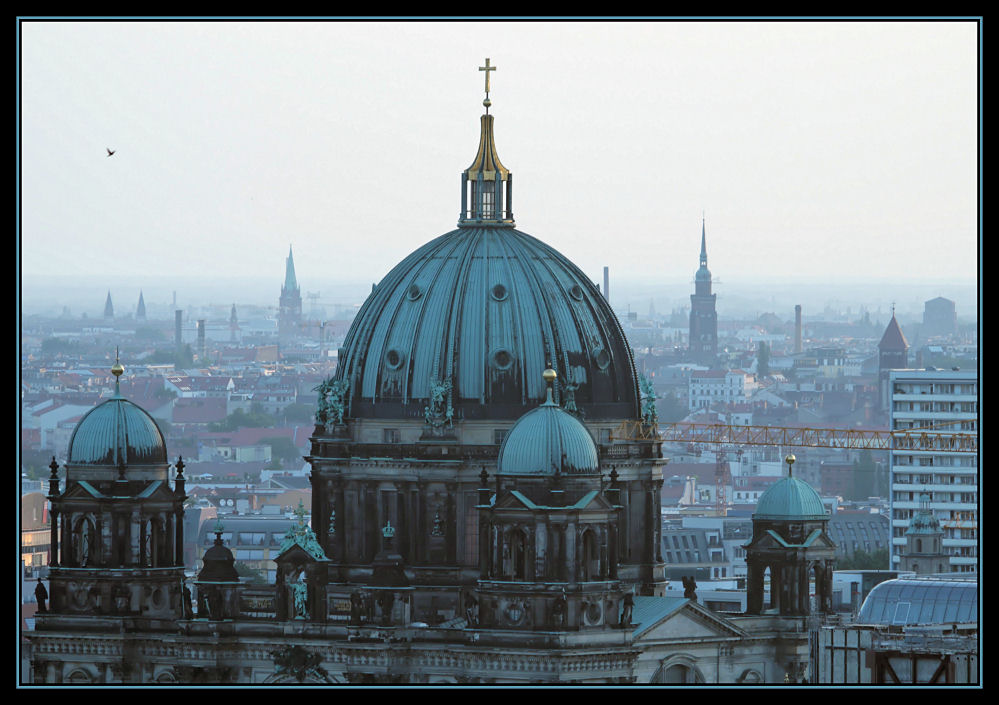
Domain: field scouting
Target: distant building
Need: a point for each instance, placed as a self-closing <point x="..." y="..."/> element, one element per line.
<point x="948" y="401"/>
<point x="713" y="388"/>
<point x="939" y="318"/>
<point x="854" y="531"/>
<point x="140" y="310"/>
<point x="703" y="342"/>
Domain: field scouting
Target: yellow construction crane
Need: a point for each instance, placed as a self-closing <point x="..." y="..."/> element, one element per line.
<point x="930" y="438"/>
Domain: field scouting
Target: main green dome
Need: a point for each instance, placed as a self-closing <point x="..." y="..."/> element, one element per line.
<point x="485" y="307"/>
<point x="115" y="432"/>
<point x="790" y="498"/>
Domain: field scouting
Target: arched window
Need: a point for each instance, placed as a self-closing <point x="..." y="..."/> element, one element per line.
<point x="677" y="673"/>
<point x="84" y="542"/>
<point x="919" y="545"/>
<point x="518" y="554"/>
<point x="591" y="557"/>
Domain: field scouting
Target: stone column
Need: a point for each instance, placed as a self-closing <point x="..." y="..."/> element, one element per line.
<point x="754" y="587"/>
<point x="178" y="545"/>
<point x="571" y="552"/>
<point x="54" y="537"/>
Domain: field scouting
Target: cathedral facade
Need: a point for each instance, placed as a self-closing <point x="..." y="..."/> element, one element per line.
<point x="483" y="509"/>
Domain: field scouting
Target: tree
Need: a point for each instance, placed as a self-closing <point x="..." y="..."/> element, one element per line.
<point x="863" y="475"/>
<point x="282" y="448"/>
<point x="245" y="571"/>
<point x="862" y="560"/>
<point x="763" y="360"/>
<point x="670" y="409"/>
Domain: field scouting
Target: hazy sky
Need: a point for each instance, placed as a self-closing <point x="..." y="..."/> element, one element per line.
<point x="817" y="150"/>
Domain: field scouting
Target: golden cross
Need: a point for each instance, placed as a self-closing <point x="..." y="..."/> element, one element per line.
<point x="487" y="68"/>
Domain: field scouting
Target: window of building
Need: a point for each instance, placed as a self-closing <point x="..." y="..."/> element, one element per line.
<point x="391" y="435"/>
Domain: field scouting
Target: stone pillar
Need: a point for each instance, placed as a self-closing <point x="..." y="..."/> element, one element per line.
<point x="754" y="587"/>
<point x="612" y="548"/>
<point x="571" y="552"/>
<point x="54" y="537"/>
<point x="178" y="545"/>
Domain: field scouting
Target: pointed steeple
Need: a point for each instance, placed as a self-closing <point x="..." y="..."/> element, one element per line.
<point x="486" y="185"/>
<point x="703" y="277"/>
<point x="140" y="310"/>
<point x="893" y="339"/>
<point x="704" y="246"/>
<point x="108" y="307"/>
<point x="290" y="282"/>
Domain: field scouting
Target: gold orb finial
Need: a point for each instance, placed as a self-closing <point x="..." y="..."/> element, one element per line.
<point x="789" y="459"/>
<point x="550" y="375"/>
<point x="117" y="369"/>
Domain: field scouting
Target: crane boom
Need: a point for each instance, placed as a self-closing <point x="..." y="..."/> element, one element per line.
<point x="916" y="439"/>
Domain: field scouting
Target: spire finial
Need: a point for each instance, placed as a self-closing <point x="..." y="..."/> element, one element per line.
<point x="789" y="459"/>
<point x="117" y="370"/>
<point x="549" y="376"/>
<point x="487" y="68"/>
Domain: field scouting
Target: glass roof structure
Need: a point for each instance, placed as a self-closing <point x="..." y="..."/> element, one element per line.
<point x="916" y="601"/>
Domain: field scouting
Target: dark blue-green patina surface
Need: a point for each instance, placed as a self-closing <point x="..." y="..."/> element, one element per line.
<point x="487" y="308"/>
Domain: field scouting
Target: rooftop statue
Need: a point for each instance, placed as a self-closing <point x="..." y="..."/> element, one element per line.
<point x="440" y="411"/>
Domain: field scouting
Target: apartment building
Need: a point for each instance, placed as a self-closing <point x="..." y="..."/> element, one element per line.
<point x="946" y="400"/>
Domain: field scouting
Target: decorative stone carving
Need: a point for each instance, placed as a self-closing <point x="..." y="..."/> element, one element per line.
<point x="649" y="413"/>
<point x="331" y="406"/>
<point x="439" y="412"/>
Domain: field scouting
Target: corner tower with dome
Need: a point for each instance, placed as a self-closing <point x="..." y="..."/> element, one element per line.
<point x="442" y="359"/>
<point x="791" y="542"/>
<point x="117" y="525"/>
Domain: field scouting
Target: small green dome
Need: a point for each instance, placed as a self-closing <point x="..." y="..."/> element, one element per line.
<point x="546" y="441"/>
<point x="116" y="431"/>
<point x="790" y="498"/>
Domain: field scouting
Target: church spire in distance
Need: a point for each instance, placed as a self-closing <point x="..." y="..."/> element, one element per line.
<point x="290" y="282"/>
<point x="486" y="185"/>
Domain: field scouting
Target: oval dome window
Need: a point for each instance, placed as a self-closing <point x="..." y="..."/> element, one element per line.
<point x="576" y="292"/>
<point x="414" y="292"/>
<point x="601" y="357"/>
<point x="499" y="292"/>
<point x="502" y="359"/>
<point x="393" y="358"/>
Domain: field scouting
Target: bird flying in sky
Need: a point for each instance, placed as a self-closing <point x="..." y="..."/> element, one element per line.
<point x="110" y="151"/>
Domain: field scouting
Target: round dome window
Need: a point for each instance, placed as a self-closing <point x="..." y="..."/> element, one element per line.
<point x="393" y="358"/>
<point x="601" y="357"/>
<point x="576" y="292"/>
<point x="502" y="359"/>
<point x="414" y="292"/>
<point x="499" y="292"/>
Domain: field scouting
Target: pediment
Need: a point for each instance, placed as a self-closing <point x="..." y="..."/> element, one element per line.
<point x="691" y="621"/>
<point x="81" y="490"/>
<point x="295" y="554"/>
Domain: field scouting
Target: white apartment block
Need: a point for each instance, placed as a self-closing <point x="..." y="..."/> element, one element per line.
<point x="948" y="401"/>
<point x="709" y="388"/>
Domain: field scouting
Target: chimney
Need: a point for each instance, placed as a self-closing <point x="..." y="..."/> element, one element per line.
<point x="797" y="328"/>
<point x="201" y="340"/>
<point x="178" y="323"/>
<point x="607" y="284"/>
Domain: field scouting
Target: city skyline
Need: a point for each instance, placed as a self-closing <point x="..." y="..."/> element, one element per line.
<point x="234" y="140"/>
